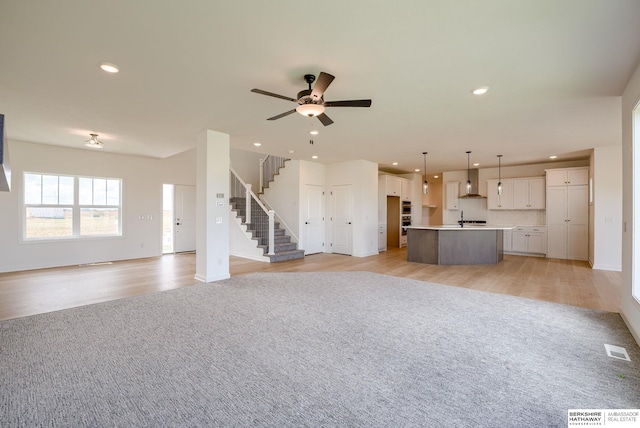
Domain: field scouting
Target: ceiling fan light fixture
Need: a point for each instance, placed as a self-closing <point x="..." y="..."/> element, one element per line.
<point x="310" y="110"/>
<point x="93" y="142"/>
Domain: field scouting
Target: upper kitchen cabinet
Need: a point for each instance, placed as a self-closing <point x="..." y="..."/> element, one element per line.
<point x="393" y="185"/>
<point x="405" y="186"/>
<point x="452" y="189"/>
<point x="567" y="176"/>
<point x="517" y="194"/>
<point x="503" y="201"/>
<point x="529" y="193"/>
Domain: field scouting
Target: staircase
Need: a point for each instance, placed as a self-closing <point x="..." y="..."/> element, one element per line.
<point x="283" y="249"/>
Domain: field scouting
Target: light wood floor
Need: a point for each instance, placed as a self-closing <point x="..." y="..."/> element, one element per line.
<point x="561" y="281"/>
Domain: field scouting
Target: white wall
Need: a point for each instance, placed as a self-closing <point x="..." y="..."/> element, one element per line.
<point x="247" y="166"/>
<point x="630" y="307"/>
<point x="141" y="192"/>
<point x="607" y="208"/>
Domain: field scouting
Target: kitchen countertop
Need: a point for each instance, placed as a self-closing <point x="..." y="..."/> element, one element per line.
<point x="466" y="227"/>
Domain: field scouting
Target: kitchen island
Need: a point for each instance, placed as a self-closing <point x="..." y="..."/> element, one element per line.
<point x="455" y="245"/>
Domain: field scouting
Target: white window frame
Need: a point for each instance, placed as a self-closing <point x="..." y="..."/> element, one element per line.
<point x="635" y="220"/>
<point x="75" y="206"/>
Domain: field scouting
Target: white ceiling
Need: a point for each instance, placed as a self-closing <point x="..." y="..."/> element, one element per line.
<point x="556" y="69"/>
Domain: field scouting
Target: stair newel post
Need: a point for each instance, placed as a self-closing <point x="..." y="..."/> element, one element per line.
<point x="272" y="239"/>
<point x="261" y="175"/>
<point x="247" y="196"/>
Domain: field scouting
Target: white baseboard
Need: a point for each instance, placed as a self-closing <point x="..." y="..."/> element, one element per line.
<point x="211" y="278"/>
<point x="372" y="253"/>
<point x="250" y="256"/>
<point x="607" y="267"/>
<point x="635" y="334"/>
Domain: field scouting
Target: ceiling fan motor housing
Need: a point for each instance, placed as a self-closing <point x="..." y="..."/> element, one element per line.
<point x="304" y="97"/>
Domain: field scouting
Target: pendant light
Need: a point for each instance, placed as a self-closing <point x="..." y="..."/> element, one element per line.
<point x="425" y="184"/>
<point x="468" y="176"/>
<point x="499" y="175"/>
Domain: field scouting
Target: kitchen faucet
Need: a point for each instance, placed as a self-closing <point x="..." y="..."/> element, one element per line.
<point x="461" y="221"/>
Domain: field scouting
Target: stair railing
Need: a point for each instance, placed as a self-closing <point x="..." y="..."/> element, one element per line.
<point x="269" y="167"/>
<point x="257" y="216"/>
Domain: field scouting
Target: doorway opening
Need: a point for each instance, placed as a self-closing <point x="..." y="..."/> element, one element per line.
<point x="167" y="218"/>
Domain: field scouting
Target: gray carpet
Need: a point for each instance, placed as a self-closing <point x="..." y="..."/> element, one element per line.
<point x="314" y="349"/>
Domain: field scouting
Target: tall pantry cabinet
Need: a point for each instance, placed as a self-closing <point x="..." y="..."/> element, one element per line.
<point x="568" y="213"/>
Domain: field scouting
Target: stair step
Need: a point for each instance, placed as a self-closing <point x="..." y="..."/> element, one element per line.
<point x="286" y="255"/>
<point x="283" y="247"/>
<point x="281" y="239"/>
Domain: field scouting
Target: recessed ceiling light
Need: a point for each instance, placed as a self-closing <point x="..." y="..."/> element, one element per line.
<point x="435" y="176"/>
<point x="417" y="170"/>
<point x="108" y="67"/>
<point x="395" y="163"/>
<point x="313" y="132"/>
<point x="314" y="157"/>
<point x="290" y="151"/>
<point x="257" y="144"/>
<point x="481" y="90"/>
<point x="553" y="157"/>
<point x="476" y="164"/>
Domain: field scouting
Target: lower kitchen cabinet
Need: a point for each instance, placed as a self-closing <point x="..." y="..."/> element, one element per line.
<point x="529" y="240"/>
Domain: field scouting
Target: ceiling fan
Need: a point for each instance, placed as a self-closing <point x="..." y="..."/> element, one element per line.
<point x="311" y="102"/>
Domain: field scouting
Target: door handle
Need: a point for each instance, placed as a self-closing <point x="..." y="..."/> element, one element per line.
<point x="306" y="222"/>
<point x="177" y="224"/>
<point x="349" y="223"/>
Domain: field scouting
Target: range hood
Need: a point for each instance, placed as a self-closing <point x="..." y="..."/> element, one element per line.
<point x="473" y="194"/>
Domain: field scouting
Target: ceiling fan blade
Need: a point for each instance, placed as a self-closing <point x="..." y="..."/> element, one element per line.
<point x="271" y="94"/>
<point x="326" y="120"/>
<point x="287" y="113"/>
<point x="322" y="83"/>
<point x="351" y="103"/>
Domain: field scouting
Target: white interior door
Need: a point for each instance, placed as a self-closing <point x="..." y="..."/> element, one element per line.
<point x="341" y="219"/>
<point x="313" y="227"/>
<point x="184" y="212"/>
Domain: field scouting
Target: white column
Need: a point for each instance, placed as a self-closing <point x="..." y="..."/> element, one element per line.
<point x="212" y="206"/>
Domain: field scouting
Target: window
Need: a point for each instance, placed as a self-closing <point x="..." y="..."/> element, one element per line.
<point x="58" y="206"/>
